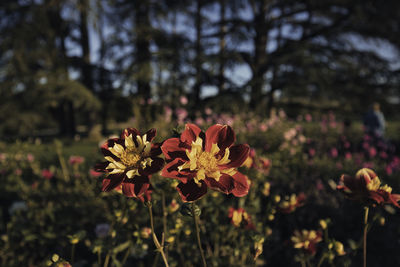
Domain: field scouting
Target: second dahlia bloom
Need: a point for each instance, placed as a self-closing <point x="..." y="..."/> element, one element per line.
<point x="200" y="160"/>
<point x="131" y="159"/>
<point x="365" y="186"/>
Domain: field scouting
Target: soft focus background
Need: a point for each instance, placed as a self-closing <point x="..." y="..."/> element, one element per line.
<point x="293" y="78"/>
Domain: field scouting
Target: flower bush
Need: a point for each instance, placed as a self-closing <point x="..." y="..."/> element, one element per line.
<point x="55" y="206"/>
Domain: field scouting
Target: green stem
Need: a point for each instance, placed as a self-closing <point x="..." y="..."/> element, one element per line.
<point x="62" y="161"/>
<point x="72" y="253"/>
<point x="322" y="260"/>
<point x="126" y="255"/>
<point x="99" y="257"/>
<point x="155" y="240"/>
<point x="165" y="213"/>
<point x="366" y="209"/>
<point x="107" y="259"/>
<point x="196" y="223"/>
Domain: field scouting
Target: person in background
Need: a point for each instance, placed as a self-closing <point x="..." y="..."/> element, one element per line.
<point x="374" y="121"/>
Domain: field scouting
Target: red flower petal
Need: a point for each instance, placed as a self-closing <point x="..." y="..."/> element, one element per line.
<point x="222" y="135"/>
<point x="241" y="185"/>
<point x="173" y="148"/>
<point x="394" y="198"/>
<point x="110" y="143"/>
<point x="156" y="165"/>
<point x="155" y="150"/>
<point x="150" y="134"/>
<point x="129" y="131"/>
<point x="237" y="155"/>
<point x="224" y="185"/>
<point x="135" y="187"/>
<point x="101" y="167"/>
<point x="377" y="196"/>
<point x="190" y="133"/>
<point x="112" y="181"/>
<point x="170" y="170"/>
<point x="191" y="191"/>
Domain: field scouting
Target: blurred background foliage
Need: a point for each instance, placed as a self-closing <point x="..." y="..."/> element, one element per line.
<point x="52" y="204"/>
<point x="67" y="66"/>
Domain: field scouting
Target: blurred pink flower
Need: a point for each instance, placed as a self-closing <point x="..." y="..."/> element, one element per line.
<point x="367" y="137"/>
<point x="334" y="152"/>
<point x="182" y="114"/>
<point x="348" y="156"/>
<point x="383" y="155"/>
<point x="369" y="165"/>
<point x="94" y="174"/>
<point x="372" y="152"/>
<point x="347" y="144"/>
<point x="199" y="121"/>
<point x="47" y="174"/>
<point x="34" y="185"/>
<point x="311" y="152"/>
<point x="30" y="157"/>
<point x="320" y="186"/>
<point x="18" y="171"/>
<point x="308" y="117"/>
<point x="167" y="113"/>
<point x="365" y="145"/>
<point x="183" y="100"/>
<point x="208" y="111"/>
<point x="388" y="169"/>
<point x="263" y="127"/>
<point x="76" y="160"/>
<point x="339" y="165"/>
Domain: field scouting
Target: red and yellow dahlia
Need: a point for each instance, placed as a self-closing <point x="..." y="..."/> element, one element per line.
<point x="200" y="160"/>
<point x="131" y="159"/>
<point x="290" y="203"/>
<point x="240" y="217"/>
<point x="306" y="240"/>
<point x="366" y="187"/>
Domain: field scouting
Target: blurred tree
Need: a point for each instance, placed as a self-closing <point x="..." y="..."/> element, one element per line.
<point x="36" y="69"/>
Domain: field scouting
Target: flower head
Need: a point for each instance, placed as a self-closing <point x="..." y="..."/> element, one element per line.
<point x="47" y="174"/>
<point x="307" y="240"/>
<point x="240" y="217"/>
<point x="131" y="159"/>
<point x="366" y="187"/>
<point x="200" y="160"/>
<point x="76" y="160"/>
<point x="290" y="203"/>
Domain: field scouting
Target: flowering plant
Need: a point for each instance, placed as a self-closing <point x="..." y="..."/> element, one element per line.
<point x="206" y="160"/>
<point x="131" y="159"/>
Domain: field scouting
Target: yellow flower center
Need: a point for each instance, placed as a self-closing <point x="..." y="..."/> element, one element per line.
<point x="206" y="164"/>
<point x="130" y="158"/>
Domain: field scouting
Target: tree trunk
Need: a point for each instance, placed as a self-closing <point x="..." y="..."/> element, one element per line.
<point x="199" y="56"/>
<point x="222" y="43"/>
<point x="143" y="55"/>
<point x="260" y="56"/>
<point x="86" y="68"/>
